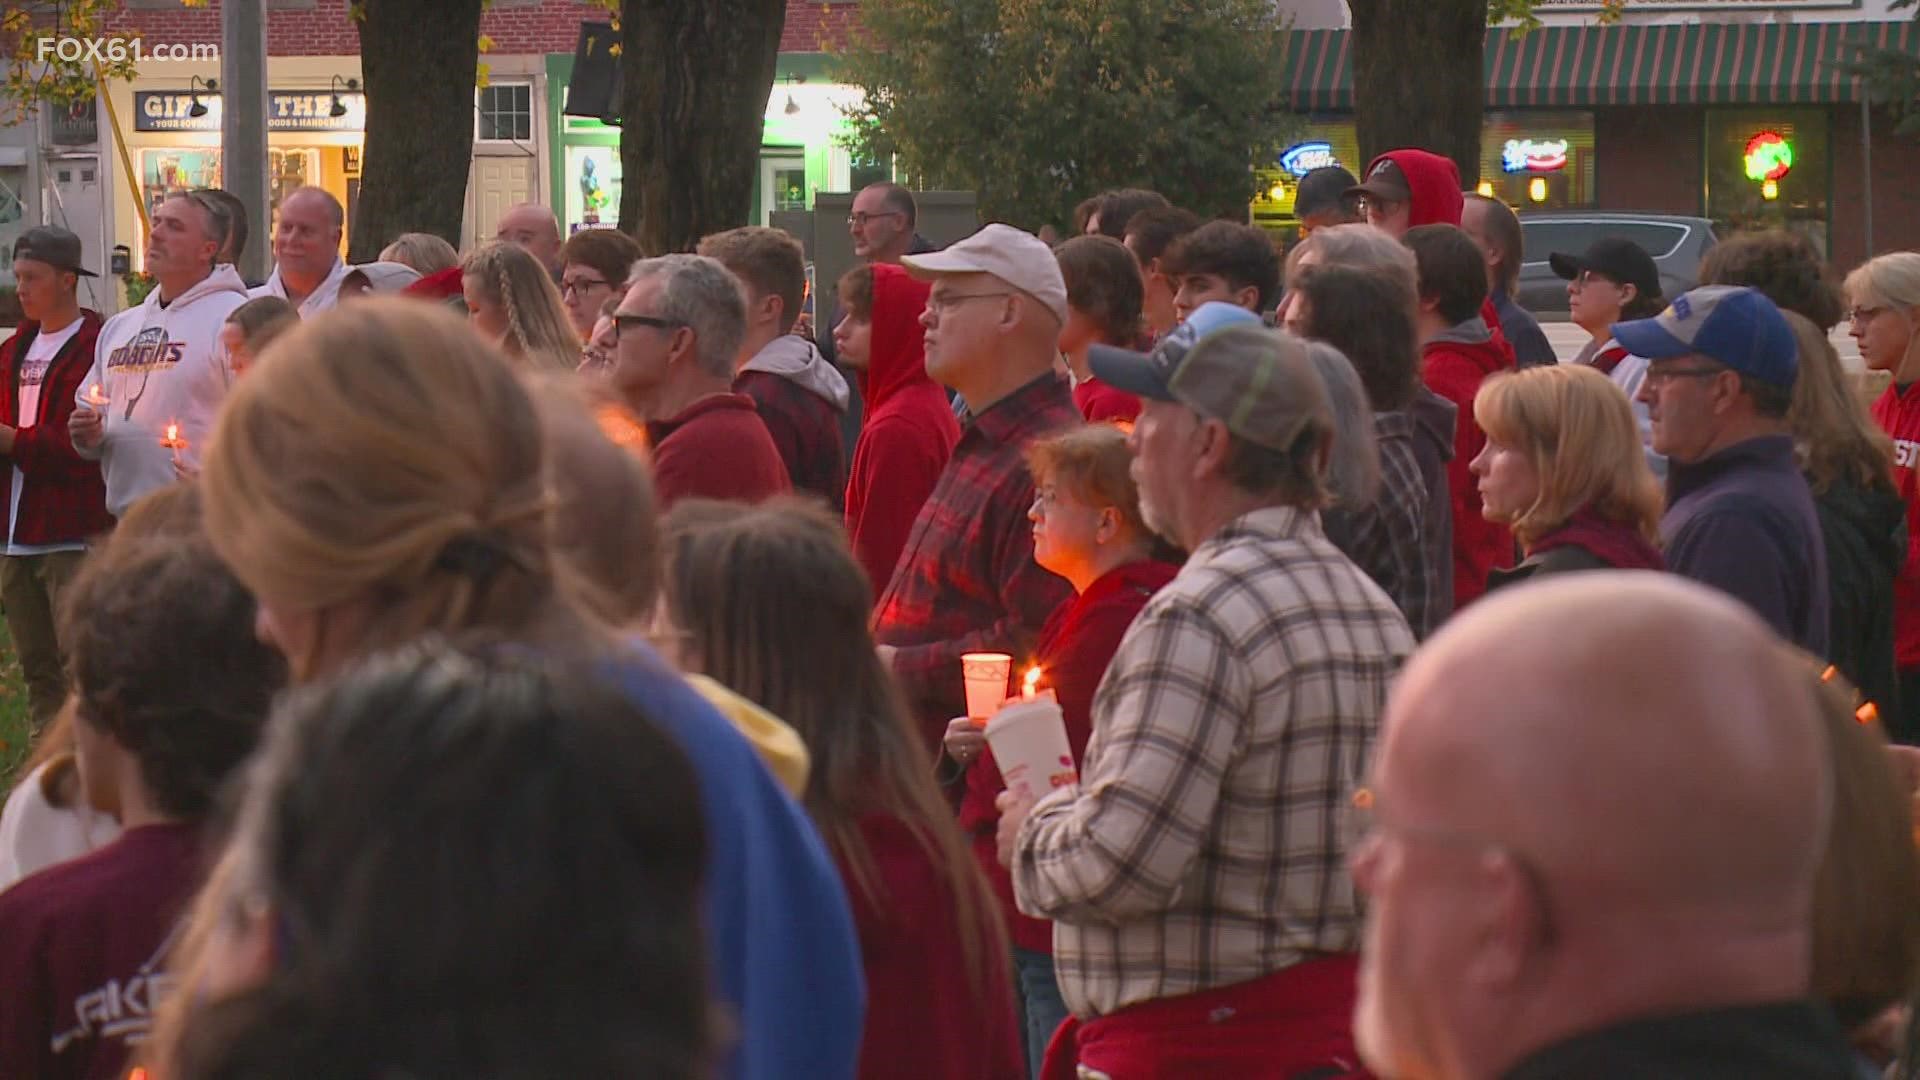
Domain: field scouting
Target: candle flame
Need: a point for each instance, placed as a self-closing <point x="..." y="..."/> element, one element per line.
<point x="173" y="432"/>
<point x="1031" y="684"/>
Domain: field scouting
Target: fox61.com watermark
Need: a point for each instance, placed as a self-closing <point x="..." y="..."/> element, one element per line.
<point x="120" y="50"/>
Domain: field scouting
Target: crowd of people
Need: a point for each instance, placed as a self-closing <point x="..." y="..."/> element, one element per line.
<point x="547" y="659"/>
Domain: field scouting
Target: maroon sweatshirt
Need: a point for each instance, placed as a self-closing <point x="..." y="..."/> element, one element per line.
<point x="1453" y="365"/>
<point x="717" y="448"/>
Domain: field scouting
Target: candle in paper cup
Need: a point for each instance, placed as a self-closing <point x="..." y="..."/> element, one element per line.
<point x="1029" y="742"/>
<point x="1030" y="687"/>
<point x="985" y="675"/>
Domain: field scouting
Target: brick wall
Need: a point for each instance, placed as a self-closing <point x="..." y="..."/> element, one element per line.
<point x="1649" y="159"/>
<point x="517" y="28"/>
<point x="1896" y="202"/>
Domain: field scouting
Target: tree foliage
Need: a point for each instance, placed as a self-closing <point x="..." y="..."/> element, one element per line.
<point x="1893" y="78"/>
<point x="36" y="73"/>
<point x="1036" y="104"/>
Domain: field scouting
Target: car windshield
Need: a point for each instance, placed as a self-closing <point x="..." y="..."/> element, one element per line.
<point x="1543" y="238"/>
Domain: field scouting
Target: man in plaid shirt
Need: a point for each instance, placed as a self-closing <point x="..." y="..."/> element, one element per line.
<point x="1204" y="922"/>
<point x="966" y="581"/>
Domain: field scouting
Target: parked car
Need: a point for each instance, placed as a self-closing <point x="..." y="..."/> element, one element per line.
<point x="1677" y="244"/>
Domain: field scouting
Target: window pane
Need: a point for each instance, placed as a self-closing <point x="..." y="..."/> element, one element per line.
<point x="1747" y="148"/>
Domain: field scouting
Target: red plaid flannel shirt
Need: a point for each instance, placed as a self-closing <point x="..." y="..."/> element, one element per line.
<point x="967" y="581"/>
<point x="65" y="499"/>
<point x="805" y="429"/>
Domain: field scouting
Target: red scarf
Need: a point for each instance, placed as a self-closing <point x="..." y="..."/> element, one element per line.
<point x="1295" y="1022"/>
<point x="1609" y="358"/>
<point x="1618" y="545"/>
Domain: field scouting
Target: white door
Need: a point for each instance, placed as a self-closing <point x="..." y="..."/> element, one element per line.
<point x="73" y="203"/>
<point x="498" y="183"/>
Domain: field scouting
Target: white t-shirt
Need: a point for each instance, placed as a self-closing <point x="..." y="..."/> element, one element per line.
<point x="33" y="372"/>
<point x="35" y="834"/>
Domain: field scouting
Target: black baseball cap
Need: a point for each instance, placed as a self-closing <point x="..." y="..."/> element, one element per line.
<point x="1322" y="189"/>
<point x="1385" y="183"/>
<point x="52" y="245"/>
<point x="1618" y="258"/>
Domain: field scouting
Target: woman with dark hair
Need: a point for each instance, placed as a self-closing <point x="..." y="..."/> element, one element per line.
<point x="171" y="688"/>
<point x="1784" y="266"/>
<point x="768" y="601"/>
<point x="370" y="504"/>
<point x="457" y="863"/>
<point x="1104" y="295"/>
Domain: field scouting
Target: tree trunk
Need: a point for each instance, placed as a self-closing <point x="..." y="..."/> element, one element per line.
<point x="696" y="77"/>
<point x="1419" y="78"/>
<point x="419" y="59"/>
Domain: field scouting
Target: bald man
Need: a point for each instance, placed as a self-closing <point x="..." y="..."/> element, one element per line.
<point x="533" y="227"/>
<point x="1574" y="874"/>
<point x="307" y="268"/>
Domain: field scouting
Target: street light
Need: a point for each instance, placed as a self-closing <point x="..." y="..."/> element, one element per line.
<point x="339" y="108"/>
<point x="196" y="84"/>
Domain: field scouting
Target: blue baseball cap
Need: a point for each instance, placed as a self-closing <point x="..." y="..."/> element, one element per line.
<point x="1737" y="326"/>
<point x="1150" y="374"/>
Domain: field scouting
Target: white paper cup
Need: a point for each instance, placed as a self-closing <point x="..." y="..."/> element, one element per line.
<point x="986" y="676"/>
<point x="1029" y="741"/>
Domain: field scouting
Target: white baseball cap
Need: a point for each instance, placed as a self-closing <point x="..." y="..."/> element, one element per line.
<point x="1018" y="258"/>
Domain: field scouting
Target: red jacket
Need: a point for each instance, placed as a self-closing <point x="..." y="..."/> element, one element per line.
<point x="924" y="1019"/>
<point x="717" y="448"/>
<point x="1898" y="411"/>
<point x="1074" y="650"/>
<point x="1098" y="401"/>
<point x="909" y="430"/>
<point x="1453" y="365"/>
<point x="65" y="499"/>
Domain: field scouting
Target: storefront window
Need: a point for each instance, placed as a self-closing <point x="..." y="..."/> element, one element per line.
<point x="170" y="172"/>
<point x="1769" y="169"/>
<point x="593" y="187"/>
<point x="505" y="112"/>
<point x="1537" y="160"/>
<point x="1321" y="143"/>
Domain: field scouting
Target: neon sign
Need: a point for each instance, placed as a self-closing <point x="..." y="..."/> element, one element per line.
<point x="1302" y="158"/>
<point x="1534" y="155"/>
<point x="1769" y="157"/>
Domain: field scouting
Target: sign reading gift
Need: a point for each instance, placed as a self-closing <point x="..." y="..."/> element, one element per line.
<point x="287" y="110"/>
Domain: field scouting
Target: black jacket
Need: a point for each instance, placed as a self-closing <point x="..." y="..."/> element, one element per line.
<point x="1555" y="561"/>
<point x="1792" y="1041"/>
<point x="1866" y="535"/>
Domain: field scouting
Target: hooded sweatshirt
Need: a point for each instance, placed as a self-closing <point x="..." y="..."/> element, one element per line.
<point x="800" y="397"/>
<point x="1453" y="365"/>
<point x="323" y="296"/>
<point x="159" y="365"/>
<point x="1433" y="181"/>
<point x="909" y="431"/>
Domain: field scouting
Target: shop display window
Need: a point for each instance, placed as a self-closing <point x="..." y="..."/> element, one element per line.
<point x="1769" y="169"/>
<point x="1537" y="159"/>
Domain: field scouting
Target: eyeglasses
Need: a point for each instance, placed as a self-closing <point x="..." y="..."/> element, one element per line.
<point x="1658" y="376"/>
<point x="581" y="285"/>
<point x="1361" y="827"/>
<point x="859" y="218"/>
<point x="940" y="305"/>
<point x="1860" y="315"/>
<point x="1593" y="277"/>
<point x="622" y="320"/>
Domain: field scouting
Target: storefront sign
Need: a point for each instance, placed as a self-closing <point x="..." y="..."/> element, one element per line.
<point x="1302" y="158"/>
<point x="287" y="110"/>
<point x="73" y="124"/>
<point x="1769" y="157"/>
<point x="1534" y="155"/>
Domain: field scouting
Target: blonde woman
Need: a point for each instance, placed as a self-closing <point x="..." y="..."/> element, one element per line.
<point x="426" y="253"/>
<point x="1848" y="463"/>
<point x="1883" y="314"/>
<point x="511" y="299"/>
<point x="1562" y="467"/>
<point x="367" y="505"/>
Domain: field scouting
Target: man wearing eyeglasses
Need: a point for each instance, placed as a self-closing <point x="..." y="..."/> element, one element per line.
<point x="160" y="365"/>
<point x="1571" y="873"/>
<point x="881" y="226"/>
<point x="1721" y="364"/>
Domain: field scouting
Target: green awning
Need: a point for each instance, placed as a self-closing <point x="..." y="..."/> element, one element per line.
<point x="1676" y="64"/>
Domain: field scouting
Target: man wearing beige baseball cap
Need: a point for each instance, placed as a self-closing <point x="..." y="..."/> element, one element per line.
<point x="967" y="581"/>
<point x="1195" y="873"/>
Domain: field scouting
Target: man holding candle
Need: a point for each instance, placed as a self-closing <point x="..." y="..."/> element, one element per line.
<point x="54" y="499"/>
<point x="1202" y="922"/>
<point x="966" y="581"/>
<point x="161" y="363"/>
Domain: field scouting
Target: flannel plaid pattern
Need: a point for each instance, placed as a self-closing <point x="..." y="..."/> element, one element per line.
<point x="967" y="581"/>
<point x="805" y="429"/>
<point x="1387" y="538"/>
<point x="64" y="498"/>
<point x="1202" y="846"/>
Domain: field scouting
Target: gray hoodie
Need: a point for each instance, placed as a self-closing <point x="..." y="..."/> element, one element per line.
<point x="796" y="360"/>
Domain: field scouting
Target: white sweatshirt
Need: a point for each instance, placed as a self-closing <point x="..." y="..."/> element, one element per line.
<point x="158" y="366"/>
<point x="324" y="295"/>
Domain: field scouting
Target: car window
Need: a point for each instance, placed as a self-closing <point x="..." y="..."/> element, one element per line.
<point x="1543" y="238"/>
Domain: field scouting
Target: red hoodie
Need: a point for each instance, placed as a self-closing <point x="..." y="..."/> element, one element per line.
<point x="1898" y="411"/>
<point x="909" y="430"/>
<point x="1453" y="366"/>
<point x="1434" y="182"/>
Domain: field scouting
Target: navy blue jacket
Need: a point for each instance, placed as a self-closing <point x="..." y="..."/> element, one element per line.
<point x="1530" y="345"/>
<point x="1743" y="521"/>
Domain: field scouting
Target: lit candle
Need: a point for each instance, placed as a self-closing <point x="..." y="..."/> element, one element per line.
<point x="1030" y="687"/>
<point x="96" y="396"/>
<point x="172" y="441"/>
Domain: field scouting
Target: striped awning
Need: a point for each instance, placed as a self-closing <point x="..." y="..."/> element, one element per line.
<point x="1587" y="66"/>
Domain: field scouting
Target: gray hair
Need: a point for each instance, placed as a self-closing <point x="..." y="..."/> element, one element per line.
<point x="1367" y="248"/>
<point x="704" y="296"/>
<point x="1353" y="465"/>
